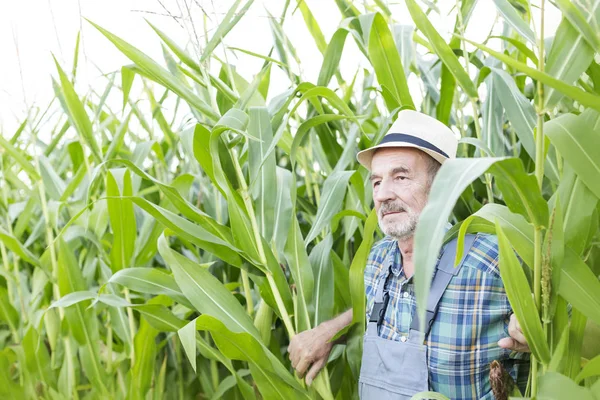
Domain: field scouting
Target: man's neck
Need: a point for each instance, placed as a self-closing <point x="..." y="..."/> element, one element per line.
<point x="406" y="249"/>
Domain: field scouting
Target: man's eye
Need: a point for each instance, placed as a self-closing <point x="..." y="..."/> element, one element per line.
<point x="400" y="178"/>
<point x="376" y="183"/>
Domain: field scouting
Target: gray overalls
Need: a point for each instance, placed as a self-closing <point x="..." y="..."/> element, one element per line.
<point x="398" y="369"/>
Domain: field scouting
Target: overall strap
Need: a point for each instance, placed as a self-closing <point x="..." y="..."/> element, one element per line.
<point x="382" y="296"/>
<point x="443" y="275"/>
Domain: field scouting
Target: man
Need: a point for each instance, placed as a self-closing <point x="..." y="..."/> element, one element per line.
<point x="470" y="321"/>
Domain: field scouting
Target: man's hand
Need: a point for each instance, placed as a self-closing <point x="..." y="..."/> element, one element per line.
<point x="311" y="348"/>
<point x="516" y="341"/>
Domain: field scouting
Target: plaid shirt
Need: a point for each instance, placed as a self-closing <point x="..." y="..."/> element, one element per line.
<point x="473" y="315"/>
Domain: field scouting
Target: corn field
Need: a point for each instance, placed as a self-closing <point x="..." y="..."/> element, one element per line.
<point x="173" y="252"/>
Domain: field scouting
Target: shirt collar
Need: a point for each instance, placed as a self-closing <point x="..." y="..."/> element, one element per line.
<point x="394" y="256"/>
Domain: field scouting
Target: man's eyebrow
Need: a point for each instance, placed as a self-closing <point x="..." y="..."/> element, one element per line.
<point x="395" y="171"/>
<point x="398" y="170"/>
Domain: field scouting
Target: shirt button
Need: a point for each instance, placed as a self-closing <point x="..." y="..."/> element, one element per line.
<point x="405" y="294"/>
<point x="403" y="339"/>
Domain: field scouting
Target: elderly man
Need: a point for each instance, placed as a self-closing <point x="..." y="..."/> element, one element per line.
<point x="469" y="319"/>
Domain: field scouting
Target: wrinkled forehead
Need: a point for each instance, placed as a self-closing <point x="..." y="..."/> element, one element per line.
<point x="393" y="160"/>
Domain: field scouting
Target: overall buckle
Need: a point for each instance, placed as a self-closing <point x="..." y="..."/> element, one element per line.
<point x="379" y="309"/>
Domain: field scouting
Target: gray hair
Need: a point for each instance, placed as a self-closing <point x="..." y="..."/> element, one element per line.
<point x="433" y="166"/>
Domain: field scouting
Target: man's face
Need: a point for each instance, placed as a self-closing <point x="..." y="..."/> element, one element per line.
<point x="400" y="187"/>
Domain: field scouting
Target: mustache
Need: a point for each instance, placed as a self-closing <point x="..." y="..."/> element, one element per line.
<point x="390" y="207"/>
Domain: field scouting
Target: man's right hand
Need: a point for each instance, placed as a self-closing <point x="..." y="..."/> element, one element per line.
<point x="311" y="348"/>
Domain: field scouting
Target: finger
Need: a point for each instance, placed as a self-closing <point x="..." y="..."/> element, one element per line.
<point x="517" y="335"/>
<point x="314" y="370"/>
<point x="295" y="357"/>
<point x="512" y="344"/>
<point x="302" y="366"/>
<point x="517" y="325"/>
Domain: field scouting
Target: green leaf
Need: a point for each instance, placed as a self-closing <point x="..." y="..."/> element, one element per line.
<point x="227" y="23"/>
<point x="273" y="379"/>
<point x="8" y="313"/>
<point x="519" y="295"/>
<point x="555" y="244"/>
<point x="179" y="52"/>
<point x="181" y="204"/>
<point x="151" y="281"/>
<point x="578" y="139"/>
<point x="519" y="111"/>
<point x="515" y="226"/>
<point x="322" y="267"/>
<point x="76" y="113"/>
<point x="579" y="286"/>
<point x="73" y="298"/>
<point x="578" y="204"/>
<point x="154" y="71"/>
<point x="205" y="292"/>
<point x="122" y="218"/>
<point x="305" y="128"/>
<point x="262" y="174"/>
<point x="576" y="333"/>
<point x="447" y="87"/>
<point x="520" y="191"/>
<point x="283" y="208"/>
<point x="357" y="289"/>
<point x="387" y="64"/>
<point x="8" y="387"/>
<point x="579" y="22"/>
<point x="592" y="368"/>
<point x="512" y="17"/>
<point x="586" y="99"/>
<point x="303" y="276"/>
<point x="403" y="36"/>
<point x="334" y="190"/>
<point x="37" y="359"/>
<point x="159" y="317"/>
<point x="142" y="370"/>
<point x="569" y="56"/>
<point x="19" y="156"/>
<point x="192" y="232"/>
<point x="332" y="57"/>
<point x="18" y="248"/>
<point x="187" y="335"/>
<point x="243" y="231"/>
<point x="313" y="26"/>
<point x="82" y="321"/>
<point x="127" y="76"/>
<point x="442" y="49"/>
<point x="559" y="353"/>
<point x="493" y="122"/>
<point x="555" y="386"/>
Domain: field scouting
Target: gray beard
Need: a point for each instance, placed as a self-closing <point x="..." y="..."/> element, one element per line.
<point x="399" y="231"/>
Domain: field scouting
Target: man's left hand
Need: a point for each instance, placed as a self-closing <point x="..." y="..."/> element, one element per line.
<point x="516" y="341"/>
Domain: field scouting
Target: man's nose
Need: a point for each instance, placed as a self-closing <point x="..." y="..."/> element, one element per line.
<point x="383" y="193"/>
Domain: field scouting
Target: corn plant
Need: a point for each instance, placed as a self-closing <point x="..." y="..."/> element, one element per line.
<point x="172" y="251"/>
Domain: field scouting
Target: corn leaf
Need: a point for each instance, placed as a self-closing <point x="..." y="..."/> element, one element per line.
<point x="586" y="99"/>
<point x="579" y="286"/>
<point x="122" y="218"/>
<point x="387" y="64"/>
<point x="442" y="49"/>
<point x="519" y="295"/>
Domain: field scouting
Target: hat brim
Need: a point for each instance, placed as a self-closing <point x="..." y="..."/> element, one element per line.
<point x="366" y="156"/>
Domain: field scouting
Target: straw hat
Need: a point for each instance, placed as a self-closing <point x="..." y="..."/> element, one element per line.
<point x="418" y="130"/>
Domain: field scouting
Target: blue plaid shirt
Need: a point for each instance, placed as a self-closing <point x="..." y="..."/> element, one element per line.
<point x="473" y="315"/>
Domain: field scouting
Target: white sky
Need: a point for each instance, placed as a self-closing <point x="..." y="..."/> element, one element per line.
<point x="32" y="30"/>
